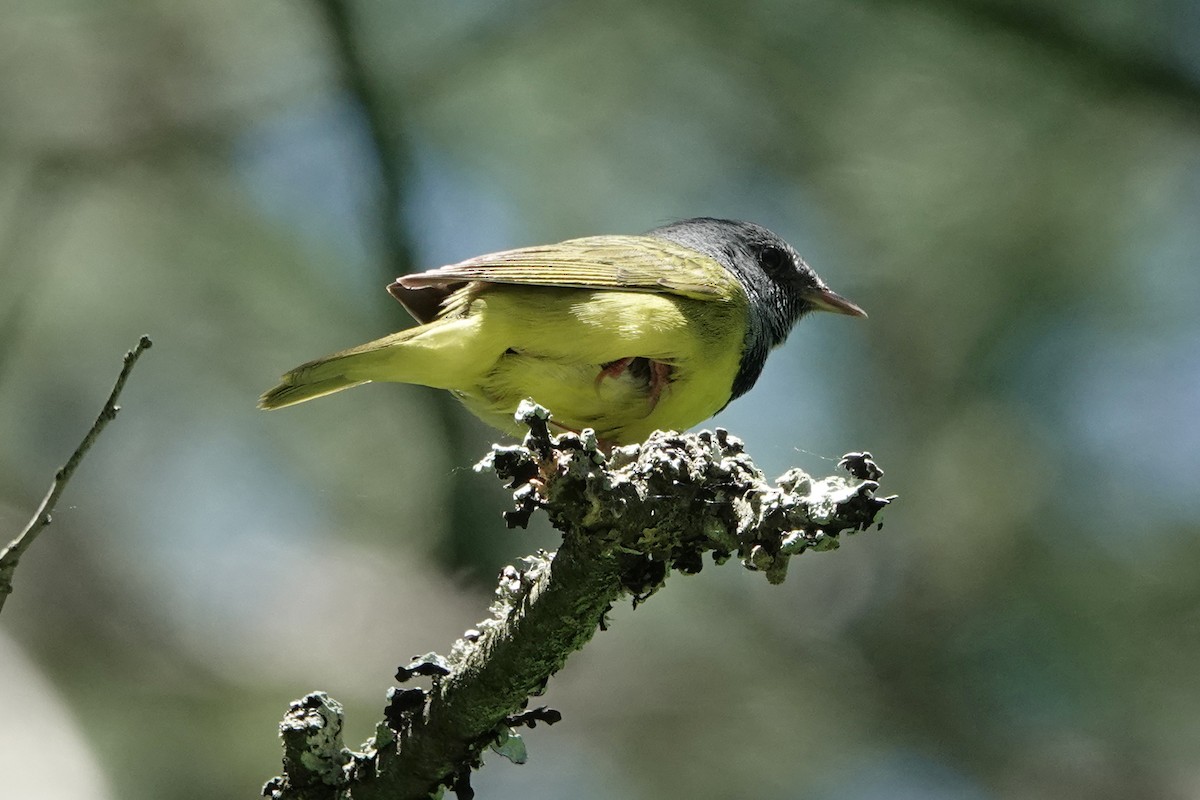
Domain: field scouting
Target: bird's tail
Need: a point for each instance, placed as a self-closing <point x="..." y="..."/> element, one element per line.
<point x="290" y="391"/>
<point x="378" y="360"/>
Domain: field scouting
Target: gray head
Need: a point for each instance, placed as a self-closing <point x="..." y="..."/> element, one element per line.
<point x="780" y="286"/>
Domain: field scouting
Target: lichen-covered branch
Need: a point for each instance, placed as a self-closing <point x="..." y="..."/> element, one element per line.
<point x="628" y="518"/>
<point x="10" y="556"/>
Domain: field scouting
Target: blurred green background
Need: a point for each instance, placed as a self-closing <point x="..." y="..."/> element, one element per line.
<point x="1011" y="189"/>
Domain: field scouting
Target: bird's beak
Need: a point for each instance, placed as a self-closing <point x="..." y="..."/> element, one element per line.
<point x="828" y="300"/>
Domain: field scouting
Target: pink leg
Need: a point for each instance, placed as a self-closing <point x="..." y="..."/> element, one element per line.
<point x="660" y="376"/>
<point x="613" y="369"/>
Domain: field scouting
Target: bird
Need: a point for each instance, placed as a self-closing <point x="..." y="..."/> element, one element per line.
<point x="622" y="334"/>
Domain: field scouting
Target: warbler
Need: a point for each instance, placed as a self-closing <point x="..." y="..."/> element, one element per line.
<point x="621" y="334"/>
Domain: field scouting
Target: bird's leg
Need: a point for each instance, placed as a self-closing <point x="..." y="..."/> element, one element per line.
<point x="613" y="369"/>
<point x="657" y="379"/>
<point x="660" y="376"/>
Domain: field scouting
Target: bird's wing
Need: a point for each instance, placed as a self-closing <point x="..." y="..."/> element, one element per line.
<point x="627" y="263"/>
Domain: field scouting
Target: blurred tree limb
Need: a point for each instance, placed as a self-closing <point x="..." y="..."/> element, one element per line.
<point x="1045" y="25"/>
<point x="10" y="556"/>
<point x="38" y="193"/>
<point x="628" y="519"/>
<point x="389" y="145"/>
<point x="384" y="133"/>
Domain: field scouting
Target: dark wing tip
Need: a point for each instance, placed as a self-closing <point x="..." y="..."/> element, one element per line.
<point x="420" y="298"/>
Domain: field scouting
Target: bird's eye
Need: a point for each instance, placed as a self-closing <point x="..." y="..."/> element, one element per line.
<point x="772" y="258"/>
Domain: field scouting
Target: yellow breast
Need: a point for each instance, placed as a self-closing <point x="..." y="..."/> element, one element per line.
<point x="552" y="344"/>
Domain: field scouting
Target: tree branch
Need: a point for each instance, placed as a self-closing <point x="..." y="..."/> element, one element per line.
<point x="11" y="555"/>
<point x="628" y="519"/>
<point x="382" y="133"/>
<point x="389" y="145"/>
<point x="1046" y="27"/>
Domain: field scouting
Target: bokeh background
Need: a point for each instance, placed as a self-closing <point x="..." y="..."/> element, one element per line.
<point x="1011" y="189"/>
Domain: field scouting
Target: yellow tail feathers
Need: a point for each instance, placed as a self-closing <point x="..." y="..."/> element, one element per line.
<point x="289" y="393"/>
<point x="333" y="373"/>
<point x="330" y="374"/>
<point x="430" y="355"/>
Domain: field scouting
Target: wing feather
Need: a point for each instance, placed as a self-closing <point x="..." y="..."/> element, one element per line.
<point x="628" y="263"/>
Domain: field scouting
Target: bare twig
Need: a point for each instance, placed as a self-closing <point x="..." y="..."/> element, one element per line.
<point x="11" y="555"/>
<point x="628" y="520"/>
